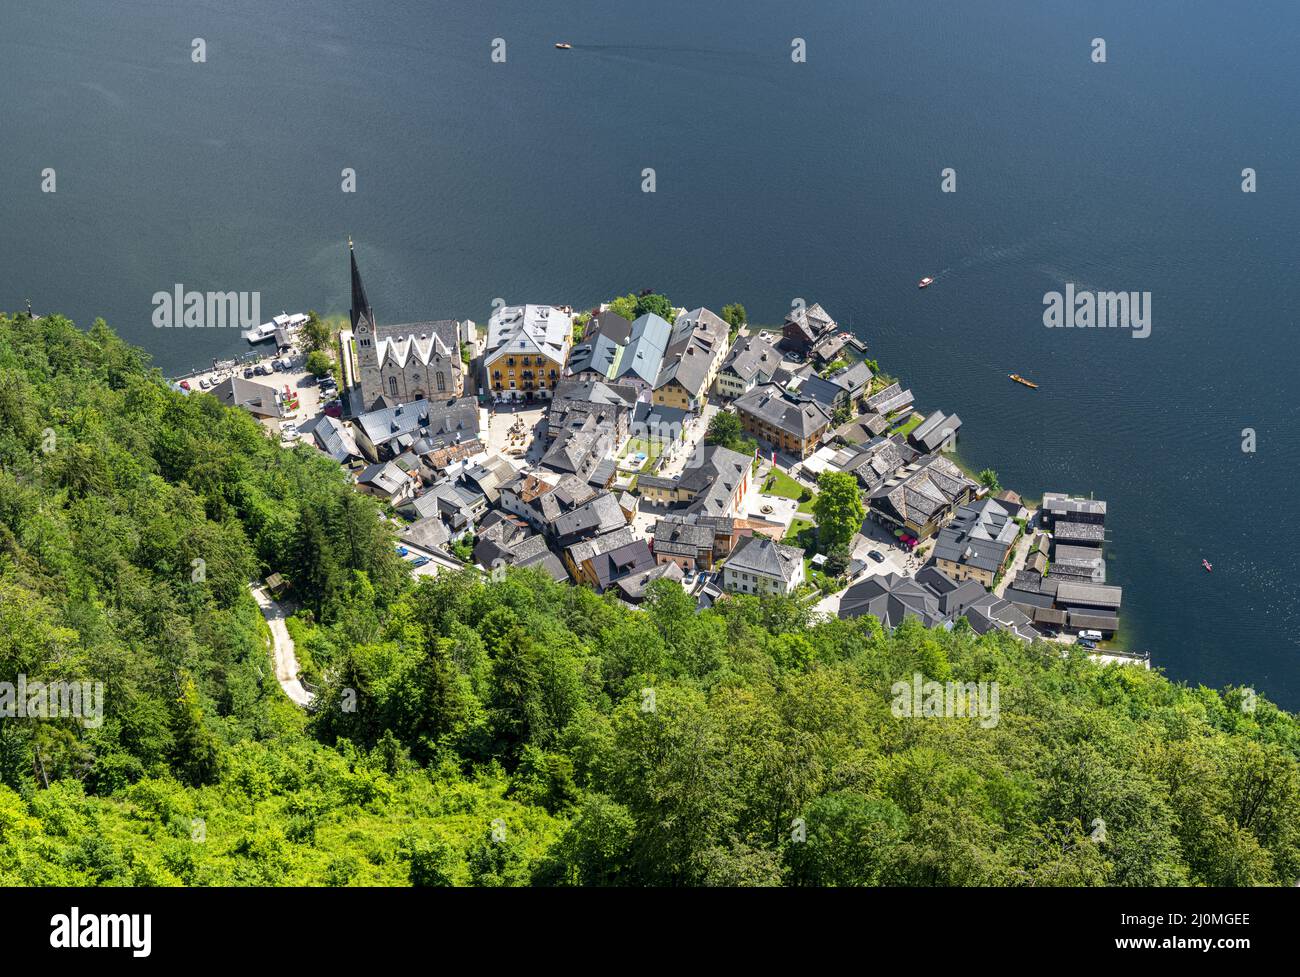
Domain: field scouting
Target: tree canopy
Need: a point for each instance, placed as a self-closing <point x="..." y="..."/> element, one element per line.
<point x="518" y="731"/>
<point x="838" y="508"/>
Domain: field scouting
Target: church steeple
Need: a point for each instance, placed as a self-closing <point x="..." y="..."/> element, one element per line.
<point x="360" y="304"/>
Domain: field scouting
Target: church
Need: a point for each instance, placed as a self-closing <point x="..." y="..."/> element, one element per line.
<point x="402" y="363"/>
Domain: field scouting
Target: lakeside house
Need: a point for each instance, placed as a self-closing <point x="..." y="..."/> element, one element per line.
<point x="977" y="544"/>
<point x="695" y="352"/>
<point x="791" y="423"/>
<point x="854" y="380"/>
<point x="603" y="340"/>
<point x="861" y="430"/>
<point x="923" y="498"/>
<point x="938" y="432"/>
<point x="752" y="360"/>
<point x="643" y="357"/>
<point x="809" y="331"/>
<point x="890" y="400"/>
<point x="527" y="349"/>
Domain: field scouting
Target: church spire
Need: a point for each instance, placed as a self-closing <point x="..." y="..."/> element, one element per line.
<point x="360" y="304"/>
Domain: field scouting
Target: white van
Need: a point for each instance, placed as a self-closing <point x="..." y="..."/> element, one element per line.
<point x="1089" y="635"/>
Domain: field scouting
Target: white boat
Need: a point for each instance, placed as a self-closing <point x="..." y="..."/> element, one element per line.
<point x="260" y="334"/>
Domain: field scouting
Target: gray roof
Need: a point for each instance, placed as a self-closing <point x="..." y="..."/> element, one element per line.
<point x="490" y="474"/>
<point x="420" y="341"/>
<point x="1060" y="504"/>
<point x="892" y="398"/>
<point x="429" y="533"/>
<point x="1027" y="599"/>
<point x="762" y="556"/>
<point x="440" y="423"/>
<point x="861" y="429"/>
<point x="528" y="329"/>
<point x="785" y="412"/>
<point x="852" y="378"/>
<point x="681" y="538"/>
<point x="1088" y="594"/>
<point x="606" y="334"/>
<point x="643" y="357"/>
<point x="698" y="338"/>
<point x="935" y="431"/>
<point x="585" y="397"/>
<point x="980" y="536"/>
<point x="751" y="356"/>
<point x="824" y="392"/>
<point x="590" y="548"/>
<point x="811" y="321"/>
<point x="256" y="398"/>
<point x="690" y="370"/>
<point x="927" y="487"/>
<point x="990" y="612"/>
<point x="600" y="515"/>
<point x="879" y="460"/>
<point x="632" y="587"/>
<point x="892" y="598"/>
<point x="385" y="476"/>
<point x="713" y="474"/>
<point x="1079" y="532"/>
<point x="334" y="438"/>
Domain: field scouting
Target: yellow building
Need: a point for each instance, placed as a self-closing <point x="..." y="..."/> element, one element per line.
<point x="527" y="348"/>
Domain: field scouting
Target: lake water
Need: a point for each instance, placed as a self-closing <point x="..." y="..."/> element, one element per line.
<point x="775" y="180"/>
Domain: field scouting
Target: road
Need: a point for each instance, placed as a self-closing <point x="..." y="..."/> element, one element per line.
<point x="286" y="660"/>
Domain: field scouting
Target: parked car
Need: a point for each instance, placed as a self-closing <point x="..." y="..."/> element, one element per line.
<point x="185" y="385"/>
<point x="262" y="370"/>
<point x="248" y="374"/>
<point x="277" y="366"/>
<point x="1088" y="643"/>
<point x="1089" y="635"/>
<point x="876" y="555"/>
<point x="402" y="551"/>
<point x="334" y="410"/>
<point x="203" y="383"/>
<point x="419" y="561"/>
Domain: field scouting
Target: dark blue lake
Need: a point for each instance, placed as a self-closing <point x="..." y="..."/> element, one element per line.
<point x="775" y="180"/>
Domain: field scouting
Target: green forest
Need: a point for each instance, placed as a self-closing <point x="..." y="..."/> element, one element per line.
<point x="524" y="732"/>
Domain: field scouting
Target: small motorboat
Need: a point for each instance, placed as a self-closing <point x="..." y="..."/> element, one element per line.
<point x="1209" y="567"/>
<point x="563" y="45"/>
<point x="1019" y="379"/>
<point x="925" y="282"/>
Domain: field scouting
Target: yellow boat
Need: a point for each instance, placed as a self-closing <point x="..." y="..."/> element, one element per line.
<point x="1019" y="379"/>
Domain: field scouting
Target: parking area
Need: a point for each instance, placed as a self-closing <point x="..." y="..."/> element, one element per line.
<point x="301" y="396"/>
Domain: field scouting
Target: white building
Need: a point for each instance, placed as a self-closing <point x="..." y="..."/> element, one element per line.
<point x="759" y="565"/>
